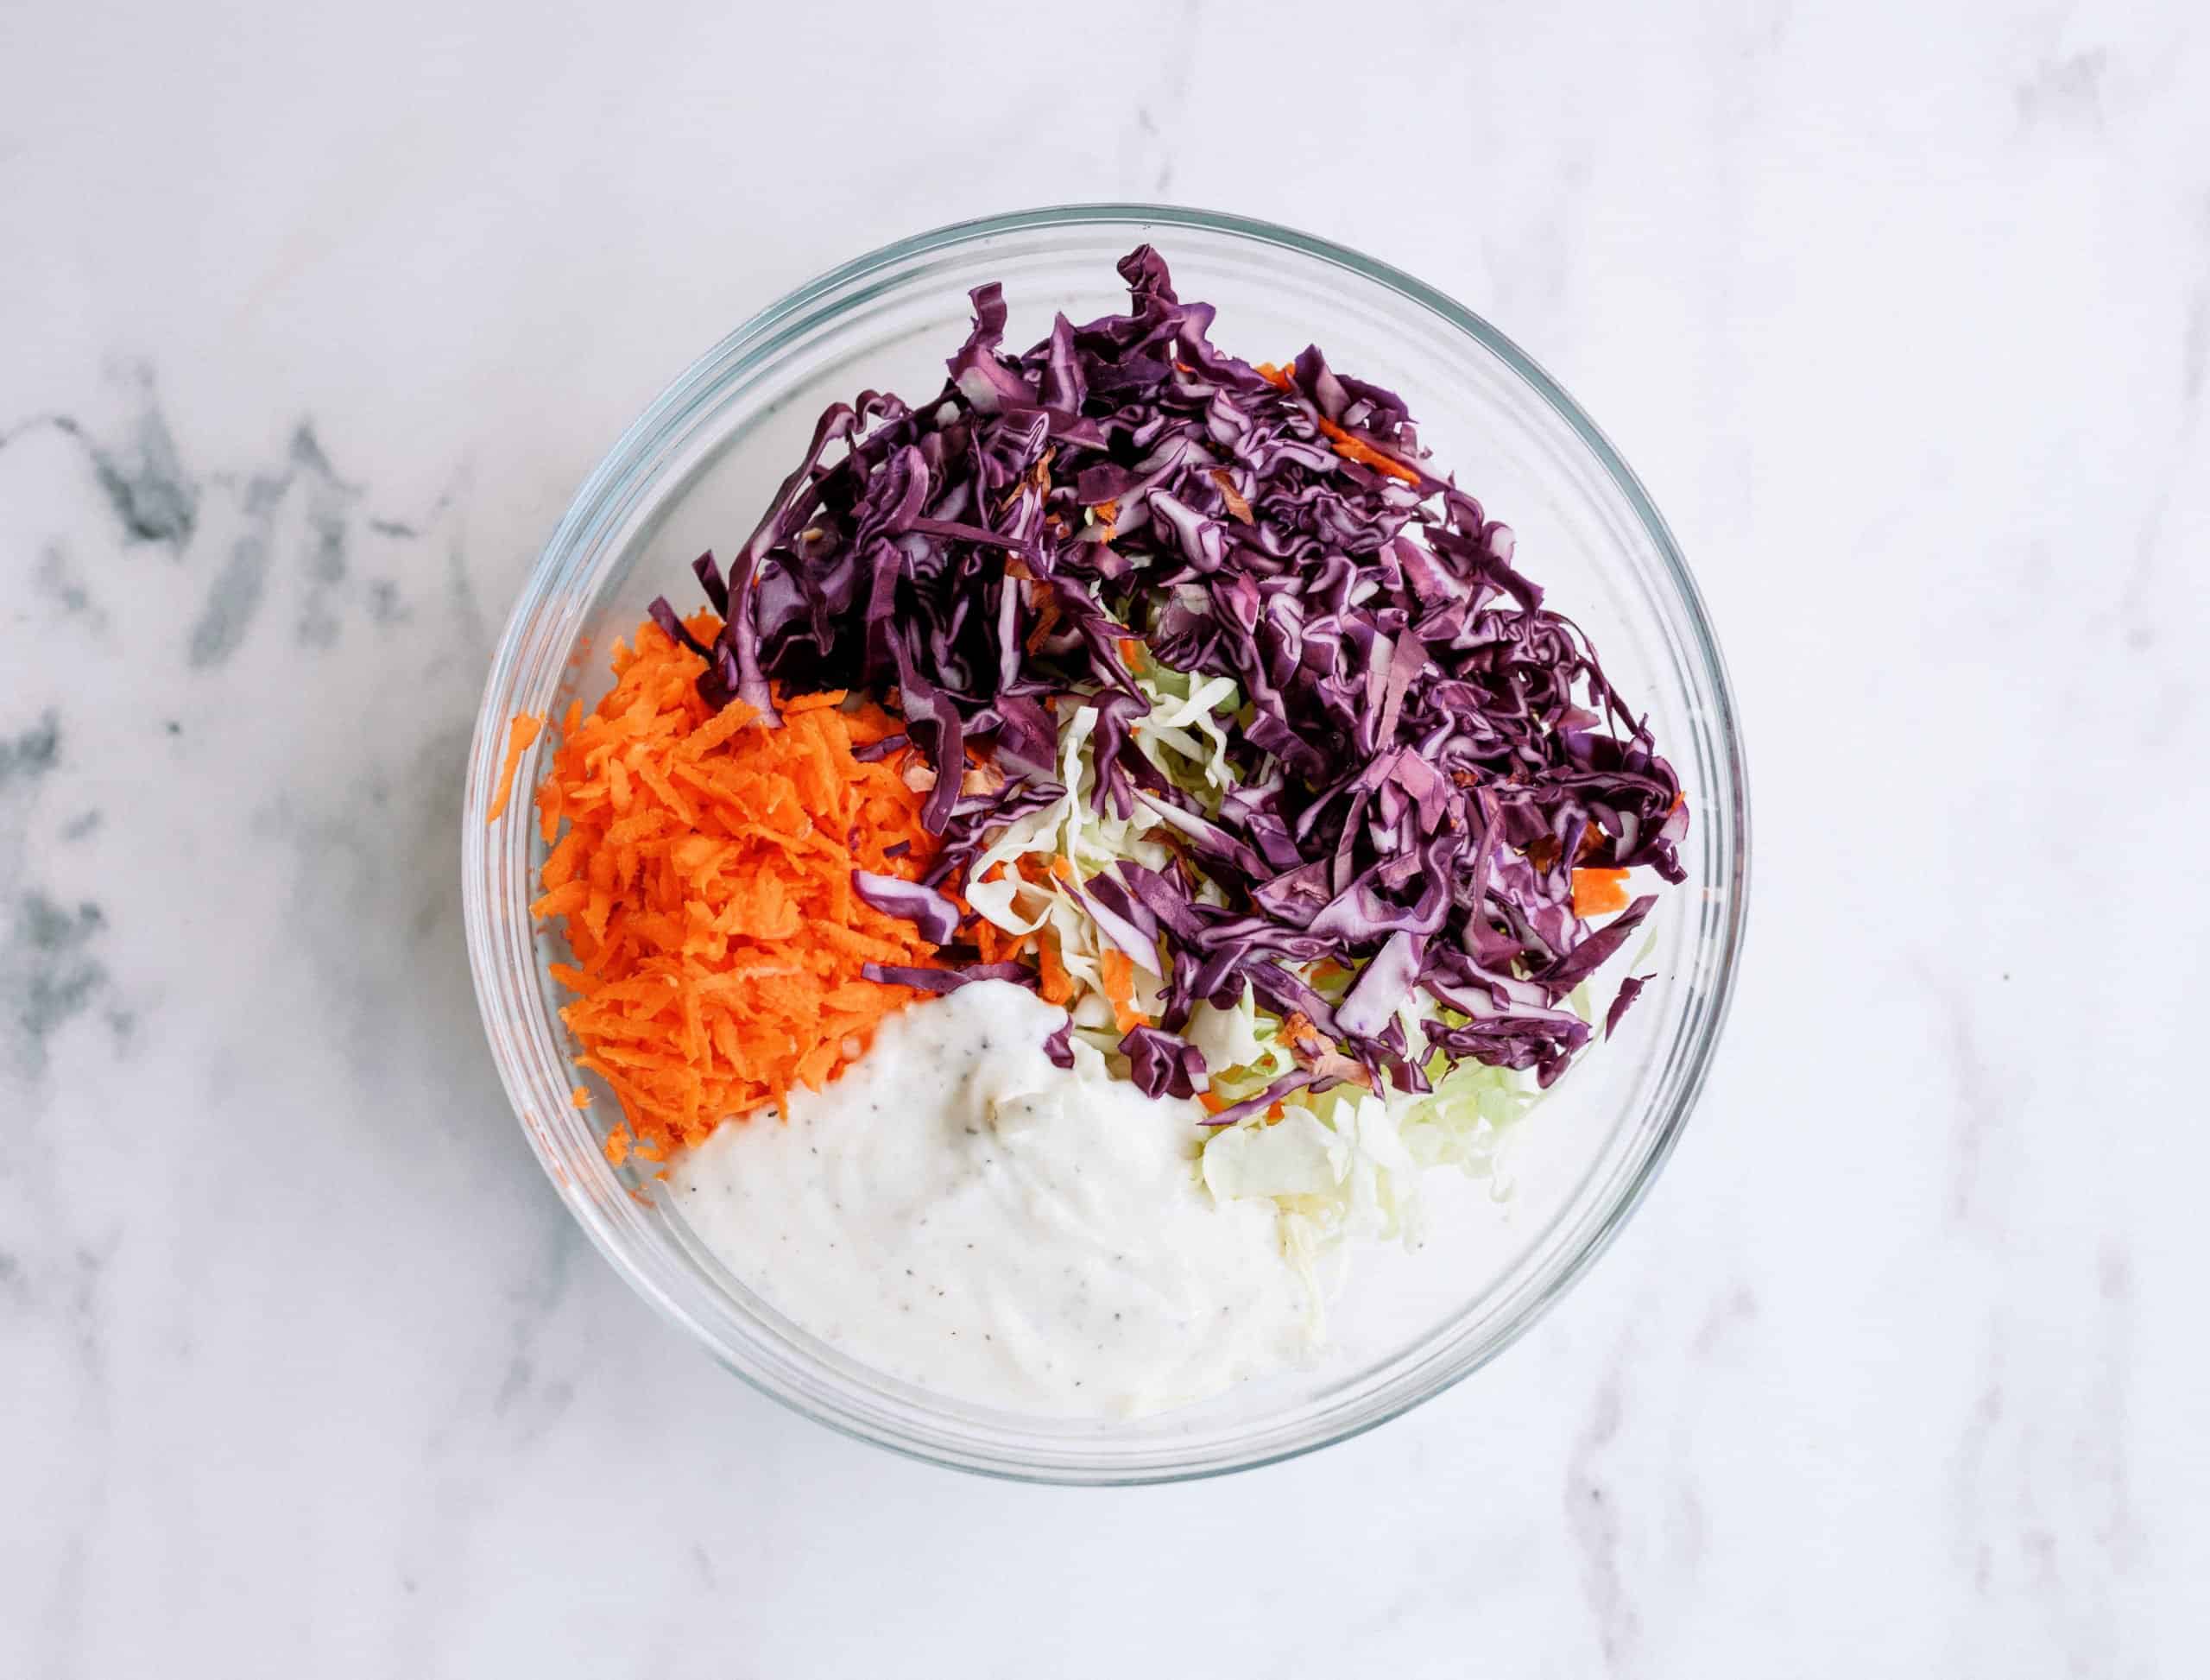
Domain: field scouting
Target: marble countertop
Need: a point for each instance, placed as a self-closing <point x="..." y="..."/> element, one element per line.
<point x="315" y="317"/>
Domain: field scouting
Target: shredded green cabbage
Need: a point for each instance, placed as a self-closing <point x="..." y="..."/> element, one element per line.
<point x="1181" y="735"/>
<point x="1346" y="1165"/>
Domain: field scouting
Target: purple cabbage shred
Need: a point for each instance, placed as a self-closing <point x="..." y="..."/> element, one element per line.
<point x="1427" y="750"/>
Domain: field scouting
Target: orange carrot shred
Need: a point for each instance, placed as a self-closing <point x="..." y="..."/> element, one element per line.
<point x="1353" y="447"/>
<point x="580" y="1097"/>
<point x="1047" y="618"/>
<point x="1053" y="982"/>
<point x="1118" y="970"/>
<point x="1599" y="892"/>
<point x="523" y="730"/>
<point x="1236" y="505"/>
<point x="1348" y="445"/>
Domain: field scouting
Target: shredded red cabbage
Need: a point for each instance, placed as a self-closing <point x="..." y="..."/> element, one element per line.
<point x="1161" y="1065"/>
<point x="936" y="916"/>
<point x="943" y="979"/>
<point x="1427" y="751"/>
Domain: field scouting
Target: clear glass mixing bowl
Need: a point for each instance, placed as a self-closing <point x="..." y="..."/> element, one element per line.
<point x="691" y="475"/>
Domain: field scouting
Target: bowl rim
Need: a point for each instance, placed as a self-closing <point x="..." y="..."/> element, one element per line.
<point x="631" y="462"/>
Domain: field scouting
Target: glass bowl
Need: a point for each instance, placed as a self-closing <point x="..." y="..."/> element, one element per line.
<point x="691" y="474"/>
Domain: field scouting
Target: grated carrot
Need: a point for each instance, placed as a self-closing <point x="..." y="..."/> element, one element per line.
<point x="998" y="946"/>
<point x="523" y="730"/>
<point x="1599" y="892"/>
<point x="1349" y="445"/>
<point x="1118" y="972"/>
<point x="1352" y="448"/>
<point x="1054" y="984"/>
<point x="1046" y="603"/>
<point x="1236" y="505"/>
<point x="705" y="881"/>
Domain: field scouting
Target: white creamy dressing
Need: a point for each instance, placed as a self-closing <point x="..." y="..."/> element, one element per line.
<point x="957" y="1211"/>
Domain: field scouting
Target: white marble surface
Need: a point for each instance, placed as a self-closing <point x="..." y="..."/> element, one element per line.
<point x="311" y="318"/>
